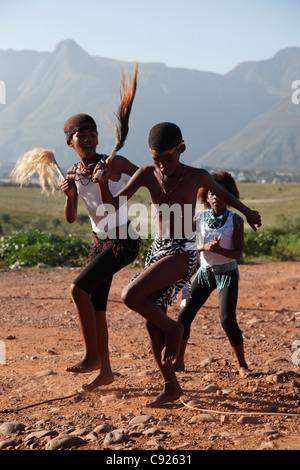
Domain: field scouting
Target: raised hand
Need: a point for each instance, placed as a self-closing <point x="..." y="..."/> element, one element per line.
<point x="254" y="219"/>
<point x="68" y="187"/>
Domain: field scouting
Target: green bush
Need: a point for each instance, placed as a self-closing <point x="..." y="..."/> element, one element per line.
<point x="287" y="248"/>
<point x="273" y="245"/>
<point x="32" y="247"/>
<point x="259" y="243"/>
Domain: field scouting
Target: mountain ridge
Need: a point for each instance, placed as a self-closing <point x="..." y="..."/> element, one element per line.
<point x="219" y="114"/>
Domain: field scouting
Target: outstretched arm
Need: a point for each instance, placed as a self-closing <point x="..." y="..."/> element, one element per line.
<point x="135" y="182"/>
<point x="119" y="165"/>
<point x="205" y="180"/>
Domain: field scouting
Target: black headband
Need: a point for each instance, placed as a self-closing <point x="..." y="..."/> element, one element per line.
<point x="80" y="128"/>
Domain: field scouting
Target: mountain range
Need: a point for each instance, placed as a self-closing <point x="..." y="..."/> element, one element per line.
<point x="244" y="119"/>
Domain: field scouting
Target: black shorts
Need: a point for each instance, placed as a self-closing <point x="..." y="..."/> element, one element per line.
<point x="105" y="259"/>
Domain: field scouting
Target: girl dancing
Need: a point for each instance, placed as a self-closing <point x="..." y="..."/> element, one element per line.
<point x="221" y="234"/>
<point x="112" y="249"/>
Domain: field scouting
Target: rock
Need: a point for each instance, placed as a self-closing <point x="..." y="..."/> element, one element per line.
<point x="135" y="433"/>
<point x="45" y="373"/>
<point x="29" y="440"/>
<point x="269" y="431"/>
<point x="253" y="321"/>
<point x="277" y="378"/>
<point x="11" y="427"/>
<point x="140" y="420"/>
<point x="267" y="445"/>
<point x="202" y="418"/>
<point x="211" y="376"/>
<point x="248" y="420"/>
<point x="207" y="361"/>
<point x="79" y="432"/>
<point x="65" y="442"/>
<point x="151" y="432"/>
<point x="101" y="429"/>
<point x="92" y="436"/>
<point x="224" y="419"/>
<point x="41" y="433"/>
<point x="212" y="388"/>
<point x="181" y="446"/>
<point x="116" y="436"/>
<point x="153" y="443"/>
<point x="8" y="443"/>
<point x="194" y="403"/>
<point x="108" y="399"/>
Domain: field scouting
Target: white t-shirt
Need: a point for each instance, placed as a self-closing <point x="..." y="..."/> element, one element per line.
<point x="207" y="234"/>
<point x="101" y="220"/>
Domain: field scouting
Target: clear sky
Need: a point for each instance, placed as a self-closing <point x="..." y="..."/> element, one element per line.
<point x="207" y="35"/>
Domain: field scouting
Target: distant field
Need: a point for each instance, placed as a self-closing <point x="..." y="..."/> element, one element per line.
<point x="275" y="202"/>
<point x="29" y="208"/>
<point x="22" y="208"/>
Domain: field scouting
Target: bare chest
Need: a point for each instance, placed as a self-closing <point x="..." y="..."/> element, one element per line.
<point x="173" y="190"/>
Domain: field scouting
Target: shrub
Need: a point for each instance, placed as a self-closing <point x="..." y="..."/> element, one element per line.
<point x="273" y="245"/>
<point x="32" y="247"/>
<point x="259" y="243"/>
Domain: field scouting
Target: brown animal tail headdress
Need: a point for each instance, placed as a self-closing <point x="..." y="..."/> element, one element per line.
<point x="128" y="85"/>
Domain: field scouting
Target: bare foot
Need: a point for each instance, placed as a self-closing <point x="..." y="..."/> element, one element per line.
<point x="244" y="372"/>
<point x="102" y="378"/>
<point x="172" y="340"/>
<point x="172" y="391"/>
<point x="178" y="365"/>
<point x="84" y="366"/>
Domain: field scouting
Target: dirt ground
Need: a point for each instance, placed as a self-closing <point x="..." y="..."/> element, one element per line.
<point x="218" y="410"/>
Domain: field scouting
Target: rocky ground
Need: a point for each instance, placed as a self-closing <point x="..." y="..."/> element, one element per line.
<point x="40" y="407"/>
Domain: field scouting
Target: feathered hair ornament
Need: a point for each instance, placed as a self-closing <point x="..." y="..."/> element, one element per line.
<point x="127" y="94"/>
<point x="39" y="161"/>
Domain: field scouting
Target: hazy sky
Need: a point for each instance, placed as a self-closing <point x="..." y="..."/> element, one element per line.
<point x="210" y="35"/>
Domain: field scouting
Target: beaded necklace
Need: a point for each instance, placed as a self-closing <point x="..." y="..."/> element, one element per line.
<point x="167" y="195"/>
<point x="216" y="222"/>
<point x="161" y="179"/>
<point x="86" y="171"/>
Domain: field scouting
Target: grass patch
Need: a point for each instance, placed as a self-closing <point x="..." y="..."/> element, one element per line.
<point x="277" y="203"/>
<point x="28" y="211"/>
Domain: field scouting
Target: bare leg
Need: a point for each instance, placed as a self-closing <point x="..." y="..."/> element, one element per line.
<point x="172" y="390"/>
<point x="139" y="295"/>
<point x="105" y="376"/>
<point x="179" y="363"/>
<point x="87" y="321"/>
<point x="240" y="355"/>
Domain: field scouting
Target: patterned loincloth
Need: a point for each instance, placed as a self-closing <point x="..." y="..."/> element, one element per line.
<point x="123" y="246"/>
<point x="162" y="247"/>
